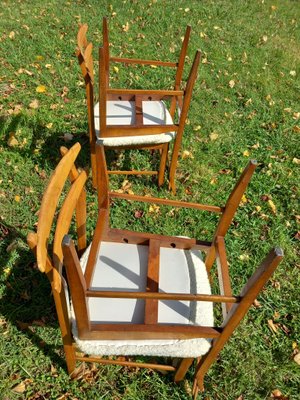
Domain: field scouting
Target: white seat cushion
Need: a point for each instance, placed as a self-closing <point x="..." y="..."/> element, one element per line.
<point x="124" y="267"/>
<point x="121" y="112"/>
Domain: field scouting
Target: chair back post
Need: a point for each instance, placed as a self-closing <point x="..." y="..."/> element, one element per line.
<point x="77" y="285"/>
<point x="248" y="294"/>
<point x="106" y="48"/>
<point x="229" y="210"/>
<point x="102" y="179"/>
<point x="183" y="115"/>
<point x="102" y="89"/>
<point x="85" y="60"/>
<point x="179" y="70"/>
<point x="38" y="241"/>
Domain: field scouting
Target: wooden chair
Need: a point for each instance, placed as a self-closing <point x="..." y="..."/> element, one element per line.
<point x="139" y="293"/>
<point x="139" y="119"/>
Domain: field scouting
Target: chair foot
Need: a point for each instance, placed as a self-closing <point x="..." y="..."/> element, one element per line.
<point x="197" y="386"/>
<point x="163" y="162"/>
<point x="172" y="186"/>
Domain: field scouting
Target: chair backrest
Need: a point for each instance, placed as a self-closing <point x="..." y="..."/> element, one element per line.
<point x="47" y="227"/>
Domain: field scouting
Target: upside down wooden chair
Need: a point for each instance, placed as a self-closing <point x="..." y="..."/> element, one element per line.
<point x="136" y="119"/>
<point x="139" y="293"/>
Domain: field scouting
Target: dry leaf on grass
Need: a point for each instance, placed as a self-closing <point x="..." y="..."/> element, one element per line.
<point x="213" y="136"/>
<point x="187" y="154"/>
<point x="19" y="388"/>
<point x="34" y="104"/>
<point x="154" y="209"/>
<point x="272" y="206"/>
<point x="12" y="140"/>
<point x="272" y="326"/>
<point x="297" y="358"/>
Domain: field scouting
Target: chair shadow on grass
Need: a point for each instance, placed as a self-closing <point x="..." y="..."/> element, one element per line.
<point x="27" y="301"/>
<point x="44" y="147"/>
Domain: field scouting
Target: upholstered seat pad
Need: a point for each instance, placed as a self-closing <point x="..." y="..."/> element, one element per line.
<point x="124" y="267"/>
<point x="120" y="112"/>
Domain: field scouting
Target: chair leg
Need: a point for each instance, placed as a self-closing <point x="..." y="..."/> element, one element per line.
<point x="162" y="165"/>
<point x="182" y="369"/>
<point x="173" y="165"/>
<point x="70" y="357"/>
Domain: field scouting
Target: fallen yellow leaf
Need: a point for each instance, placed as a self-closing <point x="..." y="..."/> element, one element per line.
<point x="41" y="89"/>
<point x="213" y="136"/>
<point x="272" y="206"/>
<point x="244" y="199"/>
<point x="12" y="140"/>
<point x="187" y="154"/>
<point x="116" y="69"/>
<point x="20" y="388"/>
<point x="154" y="209"/>
<point x="197" y="128"/>
<point x="125" y="27"/>
<point x="246" y="153"/>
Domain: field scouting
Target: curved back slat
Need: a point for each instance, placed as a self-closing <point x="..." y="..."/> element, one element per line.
<point x="81" y="37"/>
<point x="49" y="204"/>
<point x="65" y="217"/>
<point x="88" y="58"/>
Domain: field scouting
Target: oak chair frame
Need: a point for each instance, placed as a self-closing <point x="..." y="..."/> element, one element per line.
<point x="64" y="253"/>
<point x="180" y="99"/>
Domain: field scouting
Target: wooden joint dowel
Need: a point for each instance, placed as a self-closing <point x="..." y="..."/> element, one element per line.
<point x="127" y="363"/>
<point x="173" y="203"/>
<point x="162" y="296"/>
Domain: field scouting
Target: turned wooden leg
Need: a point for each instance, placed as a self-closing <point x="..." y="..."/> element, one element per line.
<point x="183" y="368"/>
<point x="162" y="165"/>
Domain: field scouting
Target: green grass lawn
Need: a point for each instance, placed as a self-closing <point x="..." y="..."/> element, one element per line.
<point x="245" y="105"/>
